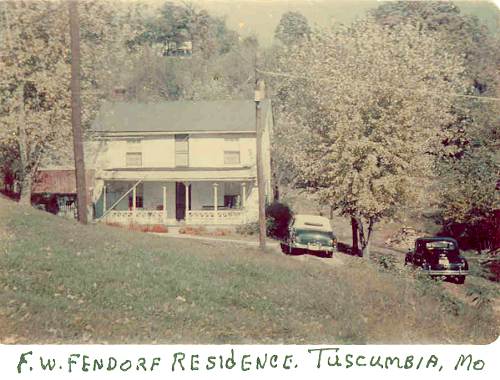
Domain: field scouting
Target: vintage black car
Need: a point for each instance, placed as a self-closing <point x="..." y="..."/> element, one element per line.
<point x="439" y="257"/>
<point x="309" y="234"/>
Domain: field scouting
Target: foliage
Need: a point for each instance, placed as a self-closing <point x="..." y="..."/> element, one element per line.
<point x="292" y="29"/>
<point x="367" y="127"/>
<point x="34" y="104"/>
<point x="467" y="166"/>
<point x="176" y="24"/>
<point x="35" y="107"/>
<point x="463" y="34"/>
<point x="248" y="229"/>
<point x="278" y="216"/>
<point x="482" y="296"/>
<point x="387" y="262"/>
<point x="218" y="66"/>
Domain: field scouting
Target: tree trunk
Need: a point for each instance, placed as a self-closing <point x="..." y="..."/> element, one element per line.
<point x="26" y="184"/>
<point x="364" y="237"/>
<point x="366" y="250"/>
<point x="22" y="142"/>
<point x="354" y="227"/>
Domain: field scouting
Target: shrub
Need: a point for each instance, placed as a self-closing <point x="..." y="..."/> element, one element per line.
<point x="158" y="228"/>
<point x="248" y="229"/>
<point x="222" y="232"/>
<point x="278" y="216"/>
<point x="386" y="262"/>
<point x="481" y="296"/>
<point x="190" y="230"/>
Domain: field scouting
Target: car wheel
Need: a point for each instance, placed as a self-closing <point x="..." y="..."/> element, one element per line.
<point x="283" y="248"/>
<point x="460" y="279"/>
<point x="329" y="254"/>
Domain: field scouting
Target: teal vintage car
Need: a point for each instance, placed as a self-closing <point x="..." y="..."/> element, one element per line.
<point x="309" y="234"/>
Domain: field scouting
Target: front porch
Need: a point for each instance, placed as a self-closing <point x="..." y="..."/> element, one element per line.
<point x="177" y="203"/>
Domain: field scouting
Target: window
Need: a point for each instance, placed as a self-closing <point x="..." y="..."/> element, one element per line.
<point x="232" y="201"/>
<point x="182" y="150"/>
<point x="139" y="197"/>
<point x="139" y="202"/>
<point x="231" y="157"/>
<point x="133" y="159"/>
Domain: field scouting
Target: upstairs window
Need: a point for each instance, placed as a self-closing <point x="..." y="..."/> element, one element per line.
<point x="133" y="159"/>
<point x="232" y="157"/>
<point x="231" y="151"/>
<point x="182" y="150"/>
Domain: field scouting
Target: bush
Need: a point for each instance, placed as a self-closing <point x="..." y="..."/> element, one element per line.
<point x="189" y="230"/>
<point x="278" y="218"/>
<point x="221" y="232"/>
<point x="248" y="229"/>
<point x="482" y="296"/>
<point x="158" y="228"/>
<point x="386" y="262"/>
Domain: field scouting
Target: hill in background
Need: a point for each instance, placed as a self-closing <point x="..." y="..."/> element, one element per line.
<point x="260" y="17"/>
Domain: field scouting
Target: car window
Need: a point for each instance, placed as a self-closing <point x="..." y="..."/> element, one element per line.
<point x="440" y="244"/>
<point x="328" y="234"/>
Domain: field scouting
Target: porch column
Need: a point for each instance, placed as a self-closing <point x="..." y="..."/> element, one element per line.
<point x="215" y="201"/>
<point x="186" y="186"/>
<point x="134" y="199"/>
<point x="104" y="199"/>
<point x="244" y="201"/>
<point x="164" y="204"/>
<point x="216" y="185"/>
<point x="243" y="194"/>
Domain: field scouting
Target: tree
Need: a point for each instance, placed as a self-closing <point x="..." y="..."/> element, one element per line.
<point x="467" y="181"/>
<point x="35" y="76"/>
<point x="292" y="29"/>
<point x="176" y="24"/>
<point x="374" y="102"/>
<point x="34" y="83"/>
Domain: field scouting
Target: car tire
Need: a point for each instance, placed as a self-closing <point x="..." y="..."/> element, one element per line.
<point x="460" y="280"/>
<point x="329" y="254"/>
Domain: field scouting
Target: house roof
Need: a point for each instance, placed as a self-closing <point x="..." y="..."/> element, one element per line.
<point x="58" y="181"/>
<point x="178" y="116"/>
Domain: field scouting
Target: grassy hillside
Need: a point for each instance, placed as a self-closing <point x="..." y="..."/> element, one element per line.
<point x="62" y="282"/>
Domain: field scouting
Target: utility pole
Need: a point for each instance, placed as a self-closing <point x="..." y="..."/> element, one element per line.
<point x="259" y="97"/>
<point x="76" y="112"/>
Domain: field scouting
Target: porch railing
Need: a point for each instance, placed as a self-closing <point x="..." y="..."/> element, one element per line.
<point x="137" y="217"/>
<point x="215" y="217"/>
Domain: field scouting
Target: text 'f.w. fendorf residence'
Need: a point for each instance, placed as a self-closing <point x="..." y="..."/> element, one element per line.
<point x="178" y="162"/>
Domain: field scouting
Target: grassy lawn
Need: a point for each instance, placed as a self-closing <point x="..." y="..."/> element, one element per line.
<point x="65" y="283"/>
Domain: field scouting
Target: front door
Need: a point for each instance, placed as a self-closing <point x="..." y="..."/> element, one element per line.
<point x="180" y="200"/>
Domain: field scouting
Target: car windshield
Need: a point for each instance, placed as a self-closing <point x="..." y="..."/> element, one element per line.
<point x="440" y="244"/>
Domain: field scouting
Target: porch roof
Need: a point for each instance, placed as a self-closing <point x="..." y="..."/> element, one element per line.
<point x="178" y="174"/>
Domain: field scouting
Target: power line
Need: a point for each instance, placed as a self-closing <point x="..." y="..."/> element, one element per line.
<point x="288" y="75"/>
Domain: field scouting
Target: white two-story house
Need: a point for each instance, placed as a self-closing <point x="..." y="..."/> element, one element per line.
<point x="179" y="162"/>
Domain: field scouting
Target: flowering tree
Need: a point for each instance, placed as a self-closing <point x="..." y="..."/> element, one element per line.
<point x="372" y="102"/>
